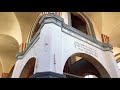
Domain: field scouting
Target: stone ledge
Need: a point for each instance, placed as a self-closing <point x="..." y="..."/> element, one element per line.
<point x="47" y="75"/>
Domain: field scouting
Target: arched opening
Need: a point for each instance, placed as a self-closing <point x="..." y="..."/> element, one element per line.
<point x="81" y="65"/>
<point x="28" y="69"/>
<point x="82" y="23"/>
<point x="79" y="23"/>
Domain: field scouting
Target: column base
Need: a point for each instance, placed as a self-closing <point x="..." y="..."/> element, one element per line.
<point x="47" y="75"/>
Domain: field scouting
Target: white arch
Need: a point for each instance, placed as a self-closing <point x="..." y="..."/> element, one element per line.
<point x="94" y="62"/>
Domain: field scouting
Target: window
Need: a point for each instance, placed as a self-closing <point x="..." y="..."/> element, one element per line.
<point x="78" y="23"/>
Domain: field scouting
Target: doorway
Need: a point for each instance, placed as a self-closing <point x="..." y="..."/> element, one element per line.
<point x="81" y="65"/>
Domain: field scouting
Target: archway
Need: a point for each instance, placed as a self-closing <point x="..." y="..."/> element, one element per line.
<point x="80" y="64"/>
<point x="28" y="69"/>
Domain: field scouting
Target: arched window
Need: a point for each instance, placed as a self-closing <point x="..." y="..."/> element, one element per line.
<point x="78" y="23"/>
<point x="82" y="23"/>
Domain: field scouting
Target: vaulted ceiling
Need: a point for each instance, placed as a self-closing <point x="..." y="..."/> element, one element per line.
<point x="26" y="20"/>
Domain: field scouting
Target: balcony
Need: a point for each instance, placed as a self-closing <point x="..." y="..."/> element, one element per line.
<point x="57" y="20"/>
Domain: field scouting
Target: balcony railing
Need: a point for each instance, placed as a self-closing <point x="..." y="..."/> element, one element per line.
<point x="66" y="29"/>
<point x="68" y="75"/>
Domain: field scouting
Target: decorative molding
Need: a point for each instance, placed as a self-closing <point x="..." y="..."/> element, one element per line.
<point x="85" y="48"/>
<point x="84" y="37"/>
<point x="60" y="22"/>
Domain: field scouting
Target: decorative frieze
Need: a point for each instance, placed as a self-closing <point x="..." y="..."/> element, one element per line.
<point x="85" y="49"/>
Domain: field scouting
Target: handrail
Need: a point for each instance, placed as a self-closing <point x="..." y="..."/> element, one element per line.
<point x="72" y="75"/>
